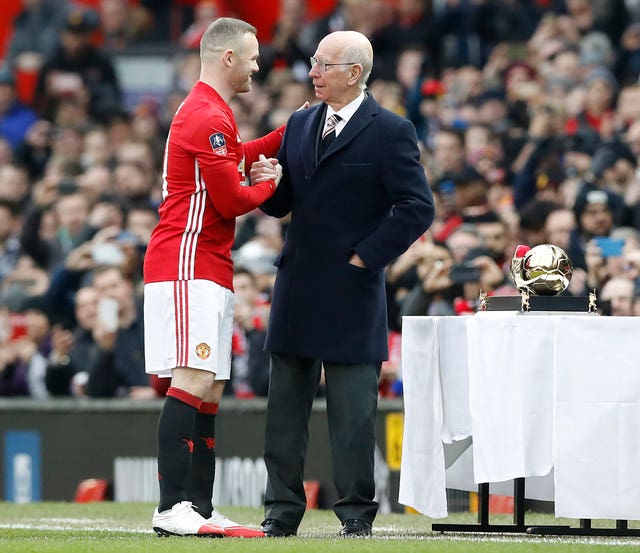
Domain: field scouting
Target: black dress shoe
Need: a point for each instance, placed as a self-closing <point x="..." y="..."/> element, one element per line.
<point x="354" y="528"/>
<point x="273" y="528"/>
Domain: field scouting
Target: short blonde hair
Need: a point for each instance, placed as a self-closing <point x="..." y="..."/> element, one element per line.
<point x="224" y="33"/>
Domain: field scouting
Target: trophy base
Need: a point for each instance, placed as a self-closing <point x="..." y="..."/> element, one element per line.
<point x="539" y="303"/>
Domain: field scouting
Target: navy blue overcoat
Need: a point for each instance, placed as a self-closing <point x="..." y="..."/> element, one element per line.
<point x="367" y="194"/>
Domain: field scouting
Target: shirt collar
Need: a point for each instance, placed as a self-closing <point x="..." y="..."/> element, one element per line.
<point x="347" y="111"/>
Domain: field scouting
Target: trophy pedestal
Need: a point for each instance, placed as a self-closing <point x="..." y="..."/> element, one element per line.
<point x="547" y="304"/>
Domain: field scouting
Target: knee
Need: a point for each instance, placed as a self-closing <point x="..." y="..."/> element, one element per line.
<point x="194" y="381"/>
<point x="214" y="395"/>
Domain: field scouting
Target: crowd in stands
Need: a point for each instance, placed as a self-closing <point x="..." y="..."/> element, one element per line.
<point x="528" y="118"/>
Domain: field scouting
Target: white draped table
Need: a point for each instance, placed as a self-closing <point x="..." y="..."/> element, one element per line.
<point x="554" y="398"/>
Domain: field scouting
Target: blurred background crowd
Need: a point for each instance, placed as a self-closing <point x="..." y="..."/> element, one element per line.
<point x="528" y="118"/>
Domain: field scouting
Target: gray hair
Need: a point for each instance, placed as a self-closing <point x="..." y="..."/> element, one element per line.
<point x="356" y="53"/>
<point x="223" y="34"/>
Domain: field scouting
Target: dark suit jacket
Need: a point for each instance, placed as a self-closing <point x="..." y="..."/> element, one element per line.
<point x="367" y="194"/>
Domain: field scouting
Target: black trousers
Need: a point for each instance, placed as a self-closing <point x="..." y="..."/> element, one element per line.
<point x="352" y="401"/>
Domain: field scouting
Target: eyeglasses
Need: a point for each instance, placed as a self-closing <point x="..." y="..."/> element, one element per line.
<point x="322" y="66"/>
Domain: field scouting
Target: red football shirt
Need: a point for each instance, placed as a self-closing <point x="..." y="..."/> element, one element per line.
<point x="204" y="189"/>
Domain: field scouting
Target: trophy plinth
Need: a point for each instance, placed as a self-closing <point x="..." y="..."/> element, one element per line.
<point x="540" y="274"/>
<point x="540" y="303"/>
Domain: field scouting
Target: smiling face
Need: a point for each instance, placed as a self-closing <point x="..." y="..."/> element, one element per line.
<point x="246" y="63"/>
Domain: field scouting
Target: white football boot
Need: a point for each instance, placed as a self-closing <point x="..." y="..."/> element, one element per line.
<point x="232" y="529"/>
<point x="182" y="520"/>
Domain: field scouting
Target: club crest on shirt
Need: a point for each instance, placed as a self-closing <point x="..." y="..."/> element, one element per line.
<point x="203" y="351"/>
<point x="218" y="144"/>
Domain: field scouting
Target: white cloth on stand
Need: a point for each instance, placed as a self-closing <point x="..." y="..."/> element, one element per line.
<point x="452" y="340"/>
<point x="561" y="388"/>
<point x="422" y="470"/>
<point x="597" y="418"/>
<point x="511" y="395"/>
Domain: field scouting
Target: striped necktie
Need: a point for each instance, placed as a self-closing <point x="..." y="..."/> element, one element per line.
<point x="329" y="132"/>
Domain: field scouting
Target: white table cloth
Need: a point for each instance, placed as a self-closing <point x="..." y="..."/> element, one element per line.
<point x="536" y="392"/>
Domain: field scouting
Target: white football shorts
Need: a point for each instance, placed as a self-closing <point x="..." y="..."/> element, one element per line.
<point x="188" y="323"/>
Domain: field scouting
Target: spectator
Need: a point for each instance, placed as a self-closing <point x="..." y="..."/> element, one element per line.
<point x="288" y="45"/>
<point x="35" y="151"/>
<point x="71" y="211"/>
<point x="14" y="184"/>
<point x="122" y="23"/>
<point x="79" y="71"/>
<point x="470" y="195"/>
<point x="462" y="241"/>
<point x="617" y="297"/>
<point x="411" y="26"/>
<point x="601" y="89"/>
<point x="363" y="16"/>
<point x="133" y="184"/>
<point x="23" y="360"/>
<point x="9" y="243"/>
<point x="594" y="211"/>
<point x="613" y="168"/>
<point x="141" y="221"/>
<point x="35" y="32"/>
<point x="15" y="118"/>
<point x="119" y="368"/>
<point x="559" y="226"/>
<point x="146" y="125"/>
<point x="137" y="151"/>
<point x="205" y="12"/>
<point x="292" y="94"/>
<point x="449" y="151"/>
<point x="26" y="280"/>
<point x="538" y="167"/>
<point x="73" y="350"/>
<point x="96" y="149"/>
<point x="250" y="363"/>
<point x="532" y="220"/>
<point x="433" y="293"/>
<point x="495" y="238"/>
<point x="627" y="67"/>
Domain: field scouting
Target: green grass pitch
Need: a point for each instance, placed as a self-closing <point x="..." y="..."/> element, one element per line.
<point x="125" y="527"/>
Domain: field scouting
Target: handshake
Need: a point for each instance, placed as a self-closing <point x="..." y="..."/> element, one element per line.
<point x="265" y="169"/>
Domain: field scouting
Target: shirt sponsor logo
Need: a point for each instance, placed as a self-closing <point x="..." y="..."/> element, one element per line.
<point x="218" y="144"/>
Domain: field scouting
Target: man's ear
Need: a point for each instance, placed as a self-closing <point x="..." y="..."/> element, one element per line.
<point x="226" y="59"/>
<point x="354" y="73"/>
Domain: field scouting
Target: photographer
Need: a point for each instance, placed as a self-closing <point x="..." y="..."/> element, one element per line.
<point x="448" y="288"/>
<point x="118" y="332"/>
<point x="73" y="349"/>
<point x="538" y="167"/>
<point x="614" y="256"/>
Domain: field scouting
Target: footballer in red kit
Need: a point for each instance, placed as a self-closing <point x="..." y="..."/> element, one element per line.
<point x="188" y="275"/>
<point x="204" y="189"/>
